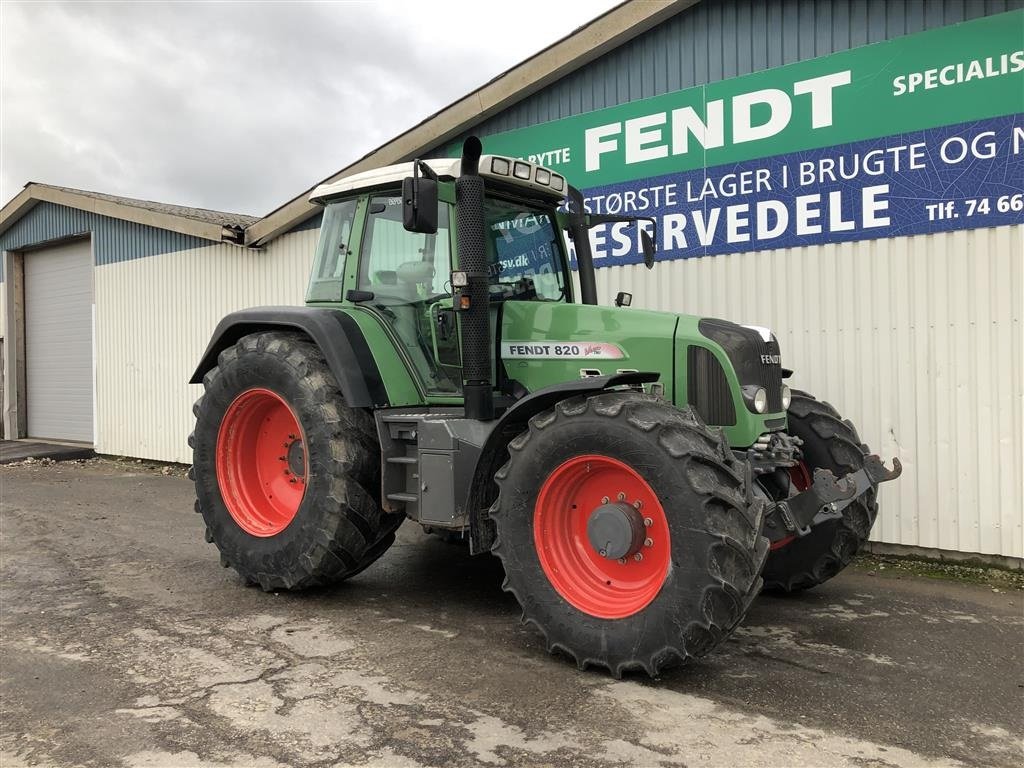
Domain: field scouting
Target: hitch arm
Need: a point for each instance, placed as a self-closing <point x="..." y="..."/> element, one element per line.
<point x="828" y="497"/>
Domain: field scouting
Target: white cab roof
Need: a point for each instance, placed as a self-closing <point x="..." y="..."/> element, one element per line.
<point x="390" y="174"/>
<point x="450" y="167"/>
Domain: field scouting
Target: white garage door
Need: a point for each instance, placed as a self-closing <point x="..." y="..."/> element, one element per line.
<point x="58" y="342"/>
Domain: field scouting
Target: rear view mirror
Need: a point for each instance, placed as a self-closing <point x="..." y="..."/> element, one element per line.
<point x="648" y="247"/>
<point x="419" y="200"/>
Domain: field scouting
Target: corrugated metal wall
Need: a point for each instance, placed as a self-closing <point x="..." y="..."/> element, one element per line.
<point x="154" y="318"/>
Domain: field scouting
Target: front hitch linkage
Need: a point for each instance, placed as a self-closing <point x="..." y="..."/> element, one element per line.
<point x="828" y="497"/>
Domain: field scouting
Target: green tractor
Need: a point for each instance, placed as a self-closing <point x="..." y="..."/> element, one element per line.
<point x="639" y="474"/>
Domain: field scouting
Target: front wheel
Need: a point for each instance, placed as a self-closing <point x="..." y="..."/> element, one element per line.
<point x="832" y="443"/>
<point x="625" y="532"/>
<point x="287" y="477"/>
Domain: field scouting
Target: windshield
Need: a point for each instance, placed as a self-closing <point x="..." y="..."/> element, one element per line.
<point x="524" y="253"/>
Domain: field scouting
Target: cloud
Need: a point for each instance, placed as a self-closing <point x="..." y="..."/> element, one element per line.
<point x="239" y="106"/>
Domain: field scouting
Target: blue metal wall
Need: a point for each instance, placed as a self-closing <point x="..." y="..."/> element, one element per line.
<point x="720" y="39"/>
<point x="114" y="240"/>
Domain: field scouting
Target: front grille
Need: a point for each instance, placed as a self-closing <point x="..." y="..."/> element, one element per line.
<point x="707" y="388"/>
<point x="745" y="347"/>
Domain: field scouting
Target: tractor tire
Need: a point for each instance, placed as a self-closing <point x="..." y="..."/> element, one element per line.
<point x="683" y="582"/>
<point x="829" y="442"/>
<point x="287" y="477"/>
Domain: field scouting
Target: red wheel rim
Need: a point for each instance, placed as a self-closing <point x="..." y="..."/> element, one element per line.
<point x="800" y="476"/>
<point x="598" y="586"/>
<point x="261" y="462"/>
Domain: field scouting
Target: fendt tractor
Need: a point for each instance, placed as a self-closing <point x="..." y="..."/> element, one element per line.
<point x="640" y="474"/>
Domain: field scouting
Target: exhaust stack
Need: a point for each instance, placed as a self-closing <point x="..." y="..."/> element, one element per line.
<point x="472" y="299"/>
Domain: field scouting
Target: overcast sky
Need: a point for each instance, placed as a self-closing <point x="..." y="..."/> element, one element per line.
<point x="240" y="106"/>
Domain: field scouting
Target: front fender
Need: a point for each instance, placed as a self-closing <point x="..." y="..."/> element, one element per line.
<point x="494" y="453"/>
<point x="336" y="333"/>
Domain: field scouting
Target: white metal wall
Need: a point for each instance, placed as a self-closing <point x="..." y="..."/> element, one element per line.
<point x="154" y="317"/>
<point x="917" y="340"/>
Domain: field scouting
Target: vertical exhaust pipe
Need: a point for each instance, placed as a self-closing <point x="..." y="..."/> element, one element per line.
<point x="474" y="325"/>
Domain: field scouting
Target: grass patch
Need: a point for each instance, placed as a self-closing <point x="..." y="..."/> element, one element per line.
<point x="996" y="578"/>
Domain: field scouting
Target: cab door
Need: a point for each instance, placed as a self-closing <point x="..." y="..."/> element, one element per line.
<point x="408" y="276"/>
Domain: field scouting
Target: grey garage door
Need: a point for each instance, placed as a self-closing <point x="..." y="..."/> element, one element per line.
<point x="58" y="342"/>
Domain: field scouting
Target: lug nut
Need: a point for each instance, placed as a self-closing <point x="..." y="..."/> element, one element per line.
<point x="637" y="504"/>
<point x="648" y="522"/>
<point x="604" y="499"/>
<point x="638" y="556"/>
<point x="603" y="552"/>
<point x="622" y="496"/>
<point x="622" y="561"/>
<point x="648" y="542"/>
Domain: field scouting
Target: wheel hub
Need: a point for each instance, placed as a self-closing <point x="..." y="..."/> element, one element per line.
<point x="296" y="458"/>
<point x="616" y="530"/>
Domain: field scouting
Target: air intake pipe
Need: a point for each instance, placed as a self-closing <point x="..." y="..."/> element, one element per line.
<point x="472" y="298"/>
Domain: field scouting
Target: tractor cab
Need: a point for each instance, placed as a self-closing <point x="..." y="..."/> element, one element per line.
<point x="389" y="246"/>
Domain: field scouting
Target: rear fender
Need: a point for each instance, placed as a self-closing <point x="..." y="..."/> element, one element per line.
<point x="336" y="334"/>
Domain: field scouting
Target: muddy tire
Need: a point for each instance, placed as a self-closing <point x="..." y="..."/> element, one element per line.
<point x="582" y="585"/>
<point x="287" y="477"/>
<point x="832" y="443"/>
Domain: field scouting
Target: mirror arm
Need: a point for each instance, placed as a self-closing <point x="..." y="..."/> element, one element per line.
<point x="594" y="219"/>
<point x="418" y="167"/>
<point x="579" y="230"/>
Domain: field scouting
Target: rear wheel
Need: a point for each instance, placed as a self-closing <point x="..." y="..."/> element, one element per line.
<point x="832" y="443"/>
<point x="625" y="532"/>
<point x="287" y="477"/>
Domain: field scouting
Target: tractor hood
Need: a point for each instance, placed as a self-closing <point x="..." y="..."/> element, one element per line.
<point x="703" y="362"/>
<point x="546" y="343"/>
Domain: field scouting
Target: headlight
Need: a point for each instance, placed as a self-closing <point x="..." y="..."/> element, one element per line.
<point x="787" y="397"/>
<point x="756" y="398"/>
<point x="760" y="401"/>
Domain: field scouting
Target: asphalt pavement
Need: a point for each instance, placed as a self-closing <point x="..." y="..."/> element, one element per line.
<point x="124" y="643"/>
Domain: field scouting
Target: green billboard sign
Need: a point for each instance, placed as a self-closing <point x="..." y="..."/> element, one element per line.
<point x="955" y="74"/>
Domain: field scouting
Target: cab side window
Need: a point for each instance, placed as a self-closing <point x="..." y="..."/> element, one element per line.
<point x="332" y="250"/>
<point x="408" y="274"/>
